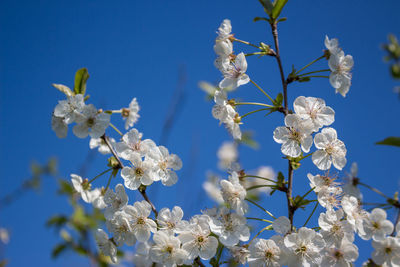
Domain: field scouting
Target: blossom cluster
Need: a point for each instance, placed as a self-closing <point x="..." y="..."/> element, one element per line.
<point x="165" y="238"/>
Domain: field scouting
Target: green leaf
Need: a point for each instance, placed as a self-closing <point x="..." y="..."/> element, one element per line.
<point x="278" y="6"/>
<point x="390" y="141"/>
<point x="247" y="139"/>
<point x="278" y="100"/>
<point x="57" y="221"/>
<point x="81" y="78"/>
<point x="65" y="188"/>
<point x="260" y="18"/>
<point x="268" y="6"/>
<point x="58" y="249"/>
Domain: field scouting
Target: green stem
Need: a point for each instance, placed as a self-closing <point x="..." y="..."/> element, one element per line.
<point x="266" y="211"/>
<point x="262" y="230"/>
<point x="253" y="103"/>
<point x="116" y="129"/>
<point x="259" y="177"/>
<point x="246" y="43"/>
<point x="309" y="217"/>
<point x="309" y="64"/>
<point x="374" y="189"/>
<point x="255" y="53"/>
<point x="109" y="181"/>
<point x="97" y="176"/>
<point x="308" y="192"/>
<point x="259" y="88"/>
<point x="317" y="76"/>
<point x="312" y="72"/>
<point x="258" y="219"/>
<point x="254" y="111"/>
<point x="259" y="186"/>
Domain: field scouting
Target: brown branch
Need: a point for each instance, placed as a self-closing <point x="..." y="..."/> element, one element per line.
<point x="121" y="165"/>
<point x="291" y="207"/>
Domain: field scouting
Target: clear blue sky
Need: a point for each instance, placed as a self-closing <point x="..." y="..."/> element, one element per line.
<point x="135" y="49"/>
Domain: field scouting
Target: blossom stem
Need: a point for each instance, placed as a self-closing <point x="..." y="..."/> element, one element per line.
<point x="266" y="211"/>
<point x="309" y="217"/>
<point x="259" y="88"/>
<point x="109" y="181"/>
<point x="317" y="76"/>
<point x="254" y="237"/>
<point x="301" y="199"/>
<point x="246" y="43"/>
<point x="312" y="72"/>
<point x="254" y="111"/>
<point x="121" y="165"/>
<point x="255" y="53"/>
<point x="253" y="103"/>
<point x="309" y="64"/>
<point x="259" y="177"/>
<point x="374" y="189"/>
<point x="258" y="219"/>
<point x="97" y="176"/>
<point x="116" y="129"/>
<point x="259" y="186"/>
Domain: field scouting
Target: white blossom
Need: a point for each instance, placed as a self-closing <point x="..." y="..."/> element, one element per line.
<point x="296" y="134"/>
<point x="235" y="73"/>
<point x="230" y="227"/>
<point x="139" y="222"/>
<point x="115" y="201"/>
<point x="376" y="226"/>
<point x="140" y="174"/>
<point x="227" y="154"/>
<point x="212" y="187"/>
<point x="314" y="110"/>
<point x="306" y="244"/>
<point x="386" y="251"/>
<point x="196" y="240"/>
<point x="91" y="122"/>
<point x="131" y="114"/>
<point x="164" y="165"/>
<point x="341" y="256"/>
<point x="105" y="246"/>
<point x="340" y="77"/>
<point x="171" y="220"/>
<point x="281" y="225"/>
<point x="83" y="188"/>
<point x="332" y="44"/>
<point x="264" y="253"/>
<point x="354" y="214"/>
<point x="334" y="228"/>
<point x="351" y="181"/>
<point x="167" y="250"/>
<point x="234" y="194"/>
<point x="132" y="143"/>
<point x="240" y="254"/>
<point x="59" y="126"/>
<point x="142" y="258"/>
<point x="69" y="109"/>
<point x="120" y="226"/>
<point x="330" y="150"/>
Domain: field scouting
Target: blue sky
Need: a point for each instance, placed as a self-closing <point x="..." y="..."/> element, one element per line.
<point x="136" y="49"/>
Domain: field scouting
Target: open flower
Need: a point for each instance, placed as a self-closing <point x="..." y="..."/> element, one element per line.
<point x="331" y="150"/>
<point x="91" y="122"/>
<point x="235" y="73"/>
<point x="315" y="110"/>
<point x="296" y="133"/>
<point x="131" y="114"/>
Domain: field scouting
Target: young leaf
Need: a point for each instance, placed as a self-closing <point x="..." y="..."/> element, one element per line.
<point x="268" y="6"/>
<point x="64" y="89"/>
<point x="278" y="6"/>
<point x="81" y="78"/>
<point x="390" y="141"/>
